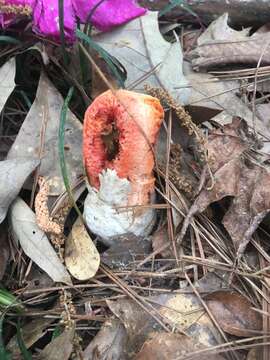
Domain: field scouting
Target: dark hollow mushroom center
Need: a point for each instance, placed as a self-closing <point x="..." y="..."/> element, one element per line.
<point x="110" y="139"/>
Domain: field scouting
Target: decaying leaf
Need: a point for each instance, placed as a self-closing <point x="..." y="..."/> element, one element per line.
<point x="31" y="333"/>
<point x="37" y="280"/>
<point x="234" y="175"/>
<point x="214" y="99"/>
<point x="234" y="313"/>
<point x="59" y="348"/>
<point x="255" y="354"/>
<point x="7" y="75"/>
<point x="42" y="121"/>
<point x="159" y="240"/>
<point x="220" y="45"/>
<point x="35" y="243"/>
<point x="181" y="311"/>
<point x="219" y="30"/>
<point x="109" y="343"/>
<point x="146" y="56"/>
<point x="169" y="346"/>
<point x="13" y="174"/>
<point x="81" y="256"/>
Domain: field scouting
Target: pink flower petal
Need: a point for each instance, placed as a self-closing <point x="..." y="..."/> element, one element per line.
<point x="46" y="19"/>
<point x="109" y="13"/>
<point x="45" y="15"/>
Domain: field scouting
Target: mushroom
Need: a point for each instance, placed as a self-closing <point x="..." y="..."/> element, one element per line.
<point x="120" y="130"/>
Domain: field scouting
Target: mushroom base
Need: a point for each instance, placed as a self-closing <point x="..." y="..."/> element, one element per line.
<point x="105" y="213"/>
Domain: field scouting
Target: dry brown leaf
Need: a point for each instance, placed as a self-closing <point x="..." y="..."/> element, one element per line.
<point x="59" y="348"/>
<point x="233" y="175"/>
<point x="234" y="313"/>
<point x="160" y="239"/>
<point x="220" y="45"/>
<point x="169" y="346"/>
<point x="109" y="343"/>
<point x="255" y="354"/>
<point x="181" y="311"/>
<point x="31" y="333"/>
<point x="81" y="256"/>
<point x="212" y="97"/>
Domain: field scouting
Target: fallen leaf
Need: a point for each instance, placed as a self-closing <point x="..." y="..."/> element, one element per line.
<point x="219" y="30"/>
<point x="109" y="343"/>
<point x="60" y="348"/>
<point x="160" y="239"/>
<point x="146" y="56"/>
<point x="255" y="354"/>
<point x="128" y="248"/>
<point x="31" y="333"/>
<point x="234" y="313"/>
<point x="181" y="311"/>
<point x="220" y="45"/>
<point x="45" y="112"/>
<point x="7" y="80"/>
<point x="81" y="256"/>
<point x="35" y="243"/>
<point x="37" y="280"/>
<point x="220" y="100"/>
<point x="13" y="174"/>
<point x="233" y="175"/>
<point x="169" y="346"/>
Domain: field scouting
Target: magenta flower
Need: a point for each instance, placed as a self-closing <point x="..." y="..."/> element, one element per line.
<point x="106" y="14"/>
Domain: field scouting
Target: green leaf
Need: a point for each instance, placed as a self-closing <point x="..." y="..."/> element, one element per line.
<point x="9" y="300"/>
<point x="114" y="65"/>
<point x="61" y="150"/>
<point x="4" y="355"/>
<point x="56" y="332"/>
<point x="25" y="353"/>
<point x="10" y="40"/>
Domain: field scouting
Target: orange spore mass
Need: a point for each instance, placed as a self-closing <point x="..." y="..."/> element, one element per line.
<point x="137" y="118"/>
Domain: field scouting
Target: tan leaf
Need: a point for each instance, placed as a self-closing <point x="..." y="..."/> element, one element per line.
<point x="169" y="346"/>
<point x="81" y="256"/>
<point x="59" y="348"/>
<point x="109" y="343"/>
<point x="180" y="311"/>
<point x="31" y="333"/>
<point x="221" y="45"/>
<point x="234" y="313"/>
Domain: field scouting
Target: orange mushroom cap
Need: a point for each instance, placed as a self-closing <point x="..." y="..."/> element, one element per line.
<point x="137" y="119"/>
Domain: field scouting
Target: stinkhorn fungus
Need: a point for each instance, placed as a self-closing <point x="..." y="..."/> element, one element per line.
<point x="120" y="130"/>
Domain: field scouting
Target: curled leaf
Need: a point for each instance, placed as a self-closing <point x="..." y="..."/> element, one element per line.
<point x="81" y="256"/>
